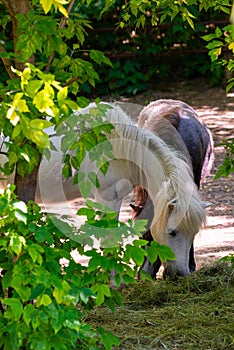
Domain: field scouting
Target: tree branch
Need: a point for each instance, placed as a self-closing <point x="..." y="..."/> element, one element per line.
<point x="7" y="63"/>
<point x="62" y="24"/>
<point x="70" y="81"/>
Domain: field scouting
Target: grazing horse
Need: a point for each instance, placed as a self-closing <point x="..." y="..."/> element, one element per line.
<point x="141" y="158"/>
<point x="180" y="127"/>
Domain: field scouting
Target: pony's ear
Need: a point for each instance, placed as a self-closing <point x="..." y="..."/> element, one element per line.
<point x="206" y="204"/>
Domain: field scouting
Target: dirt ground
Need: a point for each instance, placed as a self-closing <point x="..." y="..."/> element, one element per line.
<point x="216" y="109"/>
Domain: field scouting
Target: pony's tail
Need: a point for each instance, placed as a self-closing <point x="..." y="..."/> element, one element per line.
<point x="209" y="158"/>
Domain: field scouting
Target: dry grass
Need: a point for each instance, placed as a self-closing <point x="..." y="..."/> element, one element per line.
<point x="196" y="313"/>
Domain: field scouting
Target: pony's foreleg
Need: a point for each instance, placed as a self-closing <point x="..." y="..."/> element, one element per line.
<point x="192" y="264"/>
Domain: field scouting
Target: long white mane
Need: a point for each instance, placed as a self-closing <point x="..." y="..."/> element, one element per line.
<point x="170" y="178"/>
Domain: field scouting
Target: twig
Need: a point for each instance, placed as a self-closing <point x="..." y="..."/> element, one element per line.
<point x="70" y="81"/>
<point x="18" y="257"/>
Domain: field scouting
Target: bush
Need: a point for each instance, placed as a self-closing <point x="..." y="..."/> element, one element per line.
<point x="38" y="297"/>
<point x="43" y="302"/>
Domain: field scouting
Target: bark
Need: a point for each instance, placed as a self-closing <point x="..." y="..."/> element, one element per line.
<point x="16" y="7"/>
<point x="26" y="185"/>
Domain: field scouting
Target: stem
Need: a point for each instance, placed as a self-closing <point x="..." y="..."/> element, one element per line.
<point x="70" y="81"/>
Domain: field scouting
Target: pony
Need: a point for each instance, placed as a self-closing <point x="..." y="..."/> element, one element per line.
<point x="141" y="158"/>
<point x="180" y="127"/>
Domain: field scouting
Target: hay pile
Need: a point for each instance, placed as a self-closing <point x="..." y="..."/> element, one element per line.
<point x="196" y="313"/>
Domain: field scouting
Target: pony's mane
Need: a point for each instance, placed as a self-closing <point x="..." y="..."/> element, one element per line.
<point x="178" y="185"/>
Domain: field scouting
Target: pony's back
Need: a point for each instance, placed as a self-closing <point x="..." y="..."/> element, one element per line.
<point x="186" y="132"/>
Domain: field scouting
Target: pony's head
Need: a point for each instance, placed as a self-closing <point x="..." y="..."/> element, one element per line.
<point x="177" y="222"/>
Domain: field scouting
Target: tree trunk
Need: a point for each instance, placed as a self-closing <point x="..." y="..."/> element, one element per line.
<point x="16" y="7"/>
<point x="26" y="185"/>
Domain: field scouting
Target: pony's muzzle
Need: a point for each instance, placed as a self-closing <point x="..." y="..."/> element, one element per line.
<point x="174" y="273"/>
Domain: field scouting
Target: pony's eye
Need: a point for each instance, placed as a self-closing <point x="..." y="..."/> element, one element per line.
<point x="173" y="233"/>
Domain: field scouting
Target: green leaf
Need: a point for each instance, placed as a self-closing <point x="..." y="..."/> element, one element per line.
<point x="135" y="253"/>
<point x="40" y="124"/>
<point x="34" y="253"/>
<point x="159" y="250"/>
<point x="128" y="279"/>
<point x="85" y="187"/>
<point x="43" y="300"/>
<point x="60" y="293"/>
<point x="108" y="4"/>
<point x="104" y="167"/>
<point x="16" y="308"/>
<point x="99" y="57"/>
<point x="16" y="131"/>
<point x="94" y="179"/>
<point x="6" y="279"/>
<point x="68" y="140"/>
<point x="43" y="102"/>
<point x="88" y="212"/>
<point x="140" y="226"/>
<point x="101" y="291"/>
<point x="12" y="158"/>
<point x="209" y="37"/>
<point x="83" y="101"/>
<point x="67" y="171"/>
<point x="86" y="294"/>
<point x="62" y="94"/>
<point x="28" y="313"/>
<point x="214" y="44"/>
<point x="40" y="138"/>
<point x="33" y="87"/>
<point x="108" y="339"/>
<point x="16" y="243"/>
<point x="152" y="253"/>
<point x="43" y="235"/>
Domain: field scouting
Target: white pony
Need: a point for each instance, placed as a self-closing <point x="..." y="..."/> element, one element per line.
<point x="139" y="157"/>
<point x="142" y="158"/>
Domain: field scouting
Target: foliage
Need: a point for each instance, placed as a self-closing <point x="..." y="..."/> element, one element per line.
<point x="169" y="43"/>
<point x="222" y="41"/>
<point x="42" y="301"/>
<point x="38" y="298"/>
<point x="228" y="165"/>
<point x="229" y="259"/>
